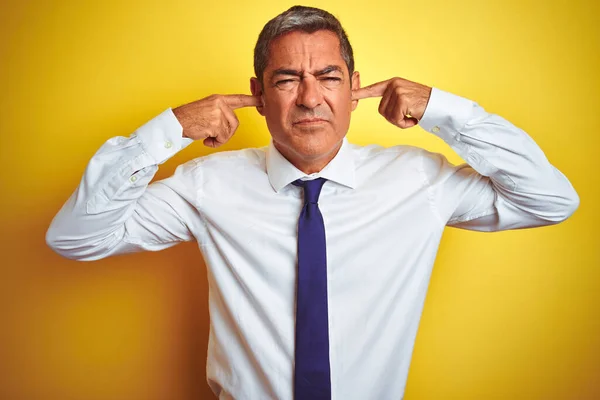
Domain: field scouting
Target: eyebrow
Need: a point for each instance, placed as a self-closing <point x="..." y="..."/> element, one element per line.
<point x="293" y="72"/>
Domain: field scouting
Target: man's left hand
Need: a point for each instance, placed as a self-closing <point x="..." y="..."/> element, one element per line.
<point x="403" y="102"/>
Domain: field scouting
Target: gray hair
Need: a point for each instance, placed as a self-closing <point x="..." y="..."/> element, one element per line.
<point x="299" y="18"/>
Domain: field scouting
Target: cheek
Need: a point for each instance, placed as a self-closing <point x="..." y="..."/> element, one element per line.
<point x="278" y="109"/>
<point x="276" y="116"/>
<point x="341" y="104"/>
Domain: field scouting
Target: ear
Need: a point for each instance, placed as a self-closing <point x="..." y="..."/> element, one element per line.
<point x="355" y="85"/>
<point x="256" y="89"/>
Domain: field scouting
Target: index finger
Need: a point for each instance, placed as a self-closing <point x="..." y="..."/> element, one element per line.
<point x="374" y="90"/>
<point x="242" y="100"/>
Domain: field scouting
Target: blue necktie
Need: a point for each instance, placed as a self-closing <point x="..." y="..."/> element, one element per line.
<point x="312" y="379"/>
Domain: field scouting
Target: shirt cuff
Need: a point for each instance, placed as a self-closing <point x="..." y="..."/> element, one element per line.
<point x="162" y="136"/>
<point x="446" y="114"/>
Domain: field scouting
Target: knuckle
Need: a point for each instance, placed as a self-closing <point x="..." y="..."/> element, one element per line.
<point x="222" y="128"/>
<point x="217" y="99"/>
<point x="209" y="133"/>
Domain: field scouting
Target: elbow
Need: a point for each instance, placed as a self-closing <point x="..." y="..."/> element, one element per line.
<point x="567" y="207"/>
<point x="69" y="249"/>
<point x="52" y="240"/>
<point x="571" y="205"/>
<point x="57" y="245"/>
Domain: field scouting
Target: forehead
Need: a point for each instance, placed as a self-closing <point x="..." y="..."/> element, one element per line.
<point x="307" y="51"/>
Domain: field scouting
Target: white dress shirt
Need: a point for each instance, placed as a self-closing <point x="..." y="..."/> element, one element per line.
<point x="384" y="211"/>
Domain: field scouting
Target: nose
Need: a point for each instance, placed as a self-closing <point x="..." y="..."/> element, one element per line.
<point x="309" y="93"/>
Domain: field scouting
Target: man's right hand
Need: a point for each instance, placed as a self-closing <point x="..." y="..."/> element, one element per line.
<point x="212" y="118"/>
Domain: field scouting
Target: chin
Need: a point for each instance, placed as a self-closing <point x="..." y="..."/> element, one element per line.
<point x="314" y="152"/>
<point x="309" y="142"/>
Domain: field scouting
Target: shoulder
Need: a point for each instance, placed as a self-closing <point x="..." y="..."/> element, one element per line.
<point x="247" y="156"/>
<point x="399" y="154"/>
<point x="223" y="163"/>
<point x="224" y="166"/>
<point x="402" y="161"/>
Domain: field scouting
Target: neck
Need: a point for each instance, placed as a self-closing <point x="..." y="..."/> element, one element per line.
<point x="311" y="165"/>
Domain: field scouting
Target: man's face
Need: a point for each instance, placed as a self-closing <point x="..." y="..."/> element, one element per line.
<point x="307" y="96"/>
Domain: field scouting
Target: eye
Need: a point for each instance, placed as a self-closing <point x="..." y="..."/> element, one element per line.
<point x="330" y="81"/>
<point x="286" y="84"/>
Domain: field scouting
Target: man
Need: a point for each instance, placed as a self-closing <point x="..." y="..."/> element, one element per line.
<point x="319" y="251"/>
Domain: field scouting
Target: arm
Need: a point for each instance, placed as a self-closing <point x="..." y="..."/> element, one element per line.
<point x="114" y="209"/>
<point x="508" y="182"/>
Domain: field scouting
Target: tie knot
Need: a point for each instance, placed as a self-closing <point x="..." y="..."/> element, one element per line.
<point x="312" y="189"/>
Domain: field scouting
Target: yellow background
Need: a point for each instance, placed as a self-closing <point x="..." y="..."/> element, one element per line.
<point x="510" y="315"/>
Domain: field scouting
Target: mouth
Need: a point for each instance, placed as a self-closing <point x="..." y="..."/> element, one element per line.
<point x="310" y="121"/>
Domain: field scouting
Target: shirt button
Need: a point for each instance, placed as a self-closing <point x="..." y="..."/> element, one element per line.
<point x="133" y="178"/>
<point x="168" y="144"/>
<point x="435" y="129"/>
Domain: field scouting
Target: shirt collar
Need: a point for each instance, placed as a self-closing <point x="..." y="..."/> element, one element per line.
<point x="340" y="169"/>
